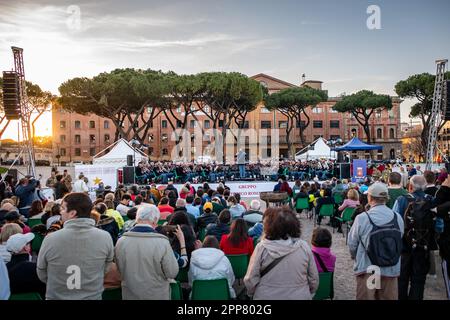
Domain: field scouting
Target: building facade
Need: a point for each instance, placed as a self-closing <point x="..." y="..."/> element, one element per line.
<point x="78" y="137"/>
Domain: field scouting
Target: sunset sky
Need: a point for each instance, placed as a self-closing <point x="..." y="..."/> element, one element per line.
<point x="326" y="40"/>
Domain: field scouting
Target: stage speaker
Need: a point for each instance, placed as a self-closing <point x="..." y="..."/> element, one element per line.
<point x="11" y="95"/>
<point x="13" y="173"/>
<point x="128" y="175"/>
<point x="447" y="102"/>
<point x="345" y="171"/>
<point x="130" y="160"/>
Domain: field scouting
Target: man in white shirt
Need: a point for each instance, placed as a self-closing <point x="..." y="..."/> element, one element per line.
<point x="80" y="185"/>
<point x="123" y="206"/>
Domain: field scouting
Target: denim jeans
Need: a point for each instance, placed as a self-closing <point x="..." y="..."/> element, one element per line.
<point x="242" y="170"/>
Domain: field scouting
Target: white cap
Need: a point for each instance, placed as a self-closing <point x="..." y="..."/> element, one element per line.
<point x="18" y="241"/>
<point x="378" y="190"/>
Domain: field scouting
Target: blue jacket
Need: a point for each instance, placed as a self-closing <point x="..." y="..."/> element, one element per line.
<point x="26" y="193"/>
<point x="4" y="281"/>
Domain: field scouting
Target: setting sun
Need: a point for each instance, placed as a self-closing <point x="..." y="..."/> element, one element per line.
<point x="43" y="127"/>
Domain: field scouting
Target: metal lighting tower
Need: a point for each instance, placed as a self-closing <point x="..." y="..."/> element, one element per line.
<point x="436" y="111"/>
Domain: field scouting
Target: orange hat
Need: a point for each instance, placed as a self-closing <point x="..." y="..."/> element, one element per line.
<point x="208" y="205"/>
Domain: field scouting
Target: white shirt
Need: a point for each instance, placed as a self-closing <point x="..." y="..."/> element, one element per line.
<point x="123" y="209"/>
<point x="80" y="186"/>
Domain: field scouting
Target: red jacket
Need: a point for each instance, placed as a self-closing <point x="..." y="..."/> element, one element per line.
<point x="245" y="247"/>
<point x="286" y="188"/>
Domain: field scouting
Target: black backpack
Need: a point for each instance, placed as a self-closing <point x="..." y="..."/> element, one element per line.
<point x="419" y="222"/>
<point x="385" y="243"/>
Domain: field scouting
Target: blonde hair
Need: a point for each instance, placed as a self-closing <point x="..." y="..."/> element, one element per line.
<point x="352" y="194"/>
<point x="7" y="200"/>
<point x="48" y="206"/>
<point x="96" y="216"/>
<point x="8" y="230"/>
<point x="109" y="196"/>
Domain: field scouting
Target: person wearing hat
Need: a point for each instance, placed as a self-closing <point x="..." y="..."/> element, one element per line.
<point x="358" y="241"/>
<point x="207" y="217"/>
<point x="21" y="271"/>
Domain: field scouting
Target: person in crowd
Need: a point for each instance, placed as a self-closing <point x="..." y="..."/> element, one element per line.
<point x="164" y="208"/>
<point x="296" y="188"/>
<point x="182" y="219"/>
<point x="339" y="188"/>
<point x="293" y="274"/>
<point x="25" y="193"/>
<point x="60" y="187"/>
<point x="93" y="247"/>
<point x="21" y="271"/>
<point x="358" y="241"/>
<point x="7" y="231"/>
<point x="107" y="223"/>
<point x="325" y="199"/>
<point x="184" y="192"/>
<point x="80" y="185"/>
<point x="171" y="187"/>
<point x="207" y="217"/>
<point x="5" y="208"/>
<point x="237" y="241"/>
<point x="7" y="188"/>
<point x="172" y="199"/>
<point x="284" y="187"/>
<point x="5" y="290"/>
<point x="256" y="231"/>
<point x="235" y="208"/>
<point x="53" y="216"/>
<point x="131" y="214"/>
<point x="209" y="263"/>
<point x="175" y="234"/>
<point x="51" y="181"/>
<point x="254" y="215"/>
<point x="14" y="217"/>
<point x="217" y="204"/>
<point x="145" y="278"/>
<point x="321" y="248"/>
<point x="395" y="189"/>
<point x="113" y="213"/>
<point x="36" y="210"/>
<point x="190" y="206"/>
<point x="239" y="200"/>
<point x="67" y="178"/>
<point x="430" y="178"/>
<point x="415" y="261"/>
<point x="442" y="176"/>
<point x="352" y="200"/>
<point x="221" y="227"/>
<point x="124" y="204"/>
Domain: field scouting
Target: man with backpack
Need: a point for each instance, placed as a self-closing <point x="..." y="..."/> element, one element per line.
<point x="375" y="241"/>
<point x="418" y="240"/>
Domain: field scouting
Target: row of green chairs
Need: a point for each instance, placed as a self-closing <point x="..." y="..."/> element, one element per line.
<point x="346" y="218"/>
<point x="326" y="210"/>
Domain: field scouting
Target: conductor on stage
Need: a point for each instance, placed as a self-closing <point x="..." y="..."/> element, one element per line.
<point x="240" y="157"/>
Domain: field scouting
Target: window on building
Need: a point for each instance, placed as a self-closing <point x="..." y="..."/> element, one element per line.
<point x="206" y="108"/>
<point x="77" y="152"/>
<point x="62" y="152"/>
<point x="391" y="113"/>
<point x="267" y="152"/>
<point x="164" y="137"/>
<point x="207" y="124"/>
<point x="335" y="137"/>
<point x="264" y="110"/>
<point x="379" y="133"/>
<point x="317" y="137"/>
<point x="77" y="124"/>
<point x="91" y="124"/>
<point x="62" y="138"/>
<point x="92" y="138"/>
<point x="334" y="124"/>
<point x="317" y="123"/>
<point x="317" y="110"/>
<point x="165" y="151"/>
<point x="179" y="109"/>
<point x="391" y="133"/>
<point x="150" y="151"/>
<point x="266" y="124"/>
<point x="220" y="123"/>
<point x="378" y="114"/>
<point x="331" y="110"/>
<point x="92" y="151"/>
<point x="163" y="123"/>
<point x="62" y="124"/>
<point x="150" y="137"/>
<point x="107" y="138"/>
<point x="136" y="124"/>
<point x="106" y="124"/>
<point x="301" y="124"/>
<point x="179" y="124"/>
<point x="193" y="124"/>
<point x="244" y="125"/>
<point x="77" y="138"/>
<point x="354" y="132"/>
<point x="282" y="124"/>
<point x="149" y="110"/>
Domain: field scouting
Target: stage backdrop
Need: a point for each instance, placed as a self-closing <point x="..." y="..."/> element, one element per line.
<point x="359" y="170"/>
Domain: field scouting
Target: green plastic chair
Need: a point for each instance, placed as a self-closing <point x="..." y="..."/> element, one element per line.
<point x="201" y="234"/>
<point x="182" y="275"/>
<point x="33" y="222"/>
<point x="125" y="218"/>
<point x="326" y="287"/>
<point x="256" y="241"/>
<point x="338" y="198"/>
<point x="112" y="294"/>
<point x="210" y="290"/>
<point x="37" y="242"/>
<point x="239" y="263"/>
<point x="301" y="204"/>
<point x="345" y="219"/>
<point x="326" y="210"/>
<point x="175" y="291"/>
<point x="25" y="296"/>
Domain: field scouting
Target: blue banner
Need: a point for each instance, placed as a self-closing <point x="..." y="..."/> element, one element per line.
<point x="359" y="170"/>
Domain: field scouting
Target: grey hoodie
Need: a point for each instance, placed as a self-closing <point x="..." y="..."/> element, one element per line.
<point x="295" y="277"/>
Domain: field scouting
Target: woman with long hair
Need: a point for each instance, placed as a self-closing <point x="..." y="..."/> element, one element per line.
<point x="237" y="241"/>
